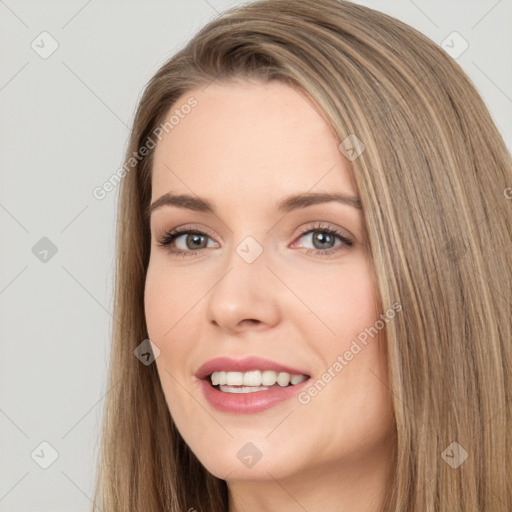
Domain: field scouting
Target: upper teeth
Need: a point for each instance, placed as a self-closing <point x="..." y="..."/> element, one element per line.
<point x="255" y="378"/>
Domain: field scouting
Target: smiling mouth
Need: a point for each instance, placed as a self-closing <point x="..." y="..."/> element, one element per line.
<point x="253" y="381"/>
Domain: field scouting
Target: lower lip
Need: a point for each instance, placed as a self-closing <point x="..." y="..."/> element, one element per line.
<point x="247" y="403"/>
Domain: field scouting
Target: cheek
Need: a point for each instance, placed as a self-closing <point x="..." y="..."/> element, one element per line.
<point x="157" y="305"/>
<point x="167" y="298"/>
<point x="341" y="298"/>
<point x="354" y="351"/>
<point x="170" y="306"/>
<point x="165" y="305"/>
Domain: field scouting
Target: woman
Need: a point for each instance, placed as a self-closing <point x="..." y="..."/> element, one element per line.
<point x="314" y="233"/>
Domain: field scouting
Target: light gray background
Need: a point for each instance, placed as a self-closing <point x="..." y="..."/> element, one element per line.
<point x="63" y="129"/>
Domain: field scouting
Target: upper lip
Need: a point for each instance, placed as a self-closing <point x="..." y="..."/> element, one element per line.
<point x="243" y="365"/>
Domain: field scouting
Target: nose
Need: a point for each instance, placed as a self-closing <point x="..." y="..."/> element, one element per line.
<point x="246" y="296"/>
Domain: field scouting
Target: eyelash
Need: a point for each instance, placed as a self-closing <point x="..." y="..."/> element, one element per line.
<point x="171" y="236"/>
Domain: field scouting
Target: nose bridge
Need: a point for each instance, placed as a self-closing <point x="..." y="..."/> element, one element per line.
<point x="246" y="271"/>
<point x="243" y="291"/>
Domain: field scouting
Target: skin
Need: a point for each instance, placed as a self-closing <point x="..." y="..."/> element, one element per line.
<point x="245" y="146"/>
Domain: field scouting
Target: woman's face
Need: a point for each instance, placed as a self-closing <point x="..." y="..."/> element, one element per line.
<point x="265" y="276"/>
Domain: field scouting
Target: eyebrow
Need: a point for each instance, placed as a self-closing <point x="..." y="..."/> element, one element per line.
<point x="289" y="203"/>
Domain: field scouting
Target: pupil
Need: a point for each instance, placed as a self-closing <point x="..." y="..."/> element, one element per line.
<point x="196" y="241"/>
<point x="322" y="238"/>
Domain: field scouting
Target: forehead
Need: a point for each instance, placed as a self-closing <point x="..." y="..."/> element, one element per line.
<point x="249" y="140"/>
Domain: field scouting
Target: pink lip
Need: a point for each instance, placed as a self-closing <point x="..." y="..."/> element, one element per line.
<point x="246" y="403"/>
<point x="243" y="365"/>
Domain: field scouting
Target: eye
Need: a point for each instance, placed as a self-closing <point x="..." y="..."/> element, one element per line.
<point x="187" y="241"/>
<point x="326" y="240"/>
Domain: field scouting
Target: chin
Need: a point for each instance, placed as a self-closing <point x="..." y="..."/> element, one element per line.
<point x="246" y="460"/>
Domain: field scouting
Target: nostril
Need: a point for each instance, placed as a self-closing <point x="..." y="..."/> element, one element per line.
<point x="251" y="320"/>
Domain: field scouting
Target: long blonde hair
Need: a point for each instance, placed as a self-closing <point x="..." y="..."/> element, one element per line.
<point x="434" y="178"/>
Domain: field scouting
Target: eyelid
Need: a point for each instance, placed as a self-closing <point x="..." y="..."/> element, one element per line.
<point x="319" y="225"/>
<point x="186" y="228"/>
